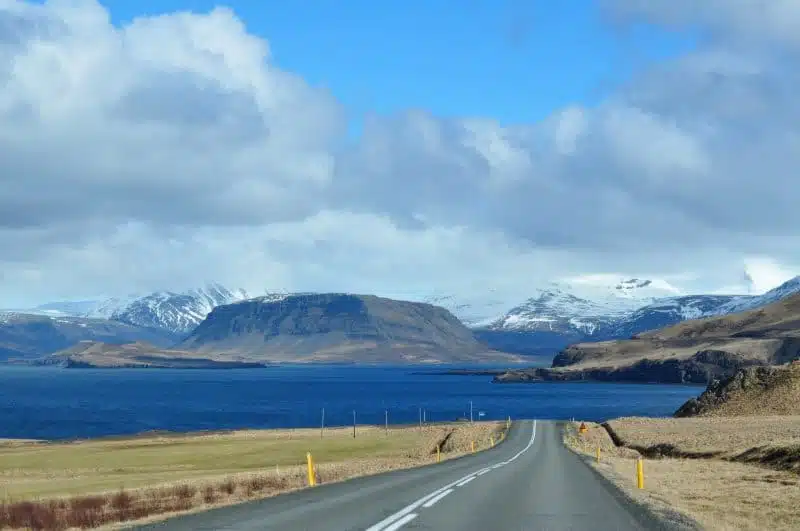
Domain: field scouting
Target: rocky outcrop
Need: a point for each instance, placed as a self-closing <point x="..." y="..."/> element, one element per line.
<point x="771" y="390"/>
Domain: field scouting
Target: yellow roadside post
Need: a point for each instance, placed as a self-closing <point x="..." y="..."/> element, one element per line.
<point x="472" y="445"/>
<point x="598" y="454"/>
<point x="312" y="479"/>
<point x="438" y="454"/>
<point x="640" y="473"/>
<point x="492" y="440"/>
<point x="508" y="422"/>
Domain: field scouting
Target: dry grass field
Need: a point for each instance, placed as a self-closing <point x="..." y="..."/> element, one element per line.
<point x="713" y="492"/>
<point x="100" y="482"/>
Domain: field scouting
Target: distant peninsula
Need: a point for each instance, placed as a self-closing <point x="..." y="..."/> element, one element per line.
<point x="693" y="352"/>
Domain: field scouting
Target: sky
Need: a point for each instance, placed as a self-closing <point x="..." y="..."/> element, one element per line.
<point x="396" y="148"/>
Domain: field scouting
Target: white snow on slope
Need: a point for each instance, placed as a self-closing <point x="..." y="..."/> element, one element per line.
<point x="177" y="312"/>
<point x="749" y="302"/>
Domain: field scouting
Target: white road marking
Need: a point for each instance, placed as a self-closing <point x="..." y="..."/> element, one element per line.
<point x="482" y="472"/>
<point x="400" y="523"/>
<point x="432" y="501"/>
<point x="390" y="523"/>
<point x="466" y="481"/>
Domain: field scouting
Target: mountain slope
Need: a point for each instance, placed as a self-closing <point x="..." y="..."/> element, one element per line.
<point x="336" y="327"/>
<point x="662" y="313"/>
<point x="25" y="336"/>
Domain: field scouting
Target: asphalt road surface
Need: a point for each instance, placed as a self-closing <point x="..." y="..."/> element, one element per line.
<point x="529" y="482"/>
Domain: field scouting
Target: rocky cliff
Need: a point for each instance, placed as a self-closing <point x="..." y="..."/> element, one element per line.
<point x="750" y="391"/>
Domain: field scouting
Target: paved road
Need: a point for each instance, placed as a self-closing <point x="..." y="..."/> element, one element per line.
<point x="530" y="482"/>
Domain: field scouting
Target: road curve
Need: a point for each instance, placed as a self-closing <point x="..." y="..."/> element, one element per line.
<point x="529" y="482"/>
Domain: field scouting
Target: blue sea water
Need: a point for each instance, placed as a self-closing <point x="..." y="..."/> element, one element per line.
<point x="51" y="403"/>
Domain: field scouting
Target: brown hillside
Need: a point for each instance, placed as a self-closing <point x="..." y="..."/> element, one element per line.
<point x="779" y="319"/>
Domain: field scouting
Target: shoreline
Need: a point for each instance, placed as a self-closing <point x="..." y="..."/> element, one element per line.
<point x="168" y="434"/>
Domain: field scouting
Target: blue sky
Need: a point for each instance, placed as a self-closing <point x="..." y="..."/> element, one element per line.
<point x="511" y="60"/>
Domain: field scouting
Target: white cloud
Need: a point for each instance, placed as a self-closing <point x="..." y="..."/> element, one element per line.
<point x="772" y="21"/>
<point x="172" y="150"/>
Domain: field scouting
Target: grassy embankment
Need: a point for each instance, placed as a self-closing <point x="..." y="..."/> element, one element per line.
<point x="106" y="481"/>
<point x="723" y="473"/>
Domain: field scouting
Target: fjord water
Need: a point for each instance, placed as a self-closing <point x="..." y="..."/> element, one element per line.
<point x="49" y="403"/>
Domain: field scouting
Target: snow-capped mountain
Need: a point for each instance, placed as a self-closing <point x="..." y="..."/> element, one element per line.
<point x="581" y="307"/>
<point x="558" y="315"/>
<point x="176" y="312"/>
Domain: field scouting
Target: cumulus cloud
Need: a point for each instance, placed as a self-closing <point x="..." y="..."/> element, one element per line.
<point x="173" y="150"/>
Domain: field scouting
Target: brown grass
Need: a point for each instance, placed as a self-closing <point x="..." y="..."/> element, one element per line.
<point x="375" y="452"/>
<point x="771" y="441"/>
<point x="712" y="492"/>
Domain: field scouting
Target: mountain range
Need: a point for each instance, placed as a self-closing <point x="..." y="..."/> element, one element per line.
<point x="556" y="315"/>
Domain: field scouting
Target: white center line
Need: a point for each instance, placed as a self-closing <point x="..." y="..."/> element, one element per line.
<point x="432" y="502"/>
<point x="400" y="523"/>
<point x="390" y="523"/>
<point x="465" y="481"/>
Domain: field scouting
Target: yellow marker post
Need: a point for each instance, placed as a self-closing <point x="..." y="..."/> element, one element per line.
<point x="492" y="441"/>
<point x="640" y="473"/>
<point x="312" y="479"/>
<point x="438" y="454"/>
<point x="508" y="422"/>
<point x="472" y="444"/>
<point x="598" y="454"/>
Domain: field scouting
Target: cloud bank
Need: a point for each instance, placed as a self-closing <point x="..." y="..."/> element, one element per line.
<point x="173" y="150"/>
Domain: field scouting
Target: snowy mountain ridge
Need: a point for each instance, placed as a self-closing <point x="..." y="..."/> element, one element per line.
<point x="175" y="312"/>
<point x="613" y="316"/>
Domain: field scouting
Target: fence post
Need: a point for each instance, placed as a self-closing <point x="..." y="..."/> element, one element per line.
<point x="640" y="473"/>
<point x="312" y="479"/>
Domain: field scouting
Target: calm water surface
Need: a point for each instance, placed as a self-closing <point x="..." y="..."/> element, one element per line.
<point x="50" y="403"/>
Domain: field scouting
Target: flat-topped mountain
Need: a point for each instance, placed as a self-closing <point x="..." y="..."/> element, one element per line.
<point x="338" y="327"/>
